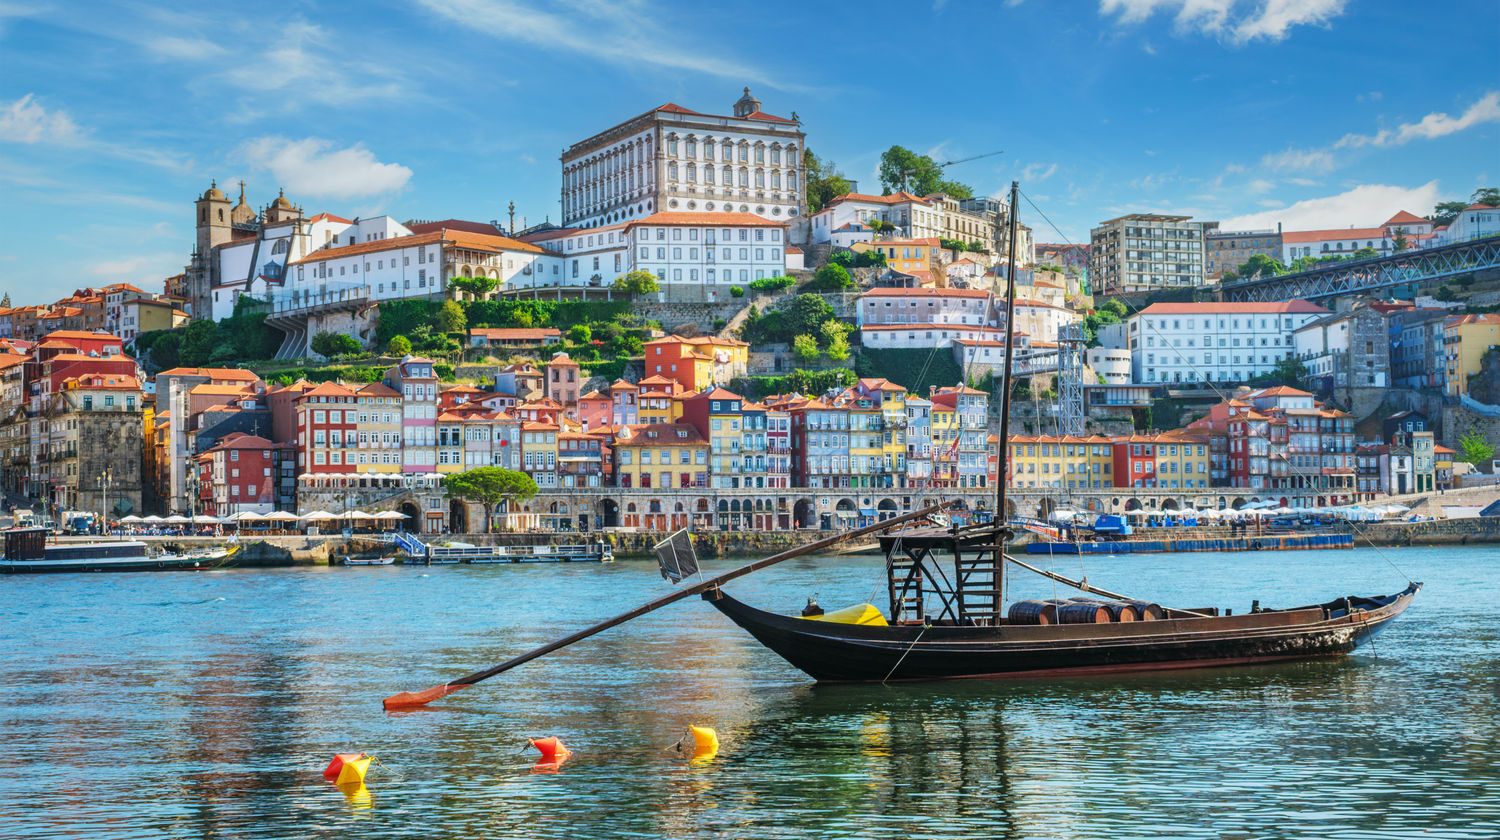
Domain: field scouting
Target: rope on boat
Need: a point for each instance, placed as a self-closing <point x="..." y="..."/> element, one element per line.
<point x="913" y="644"/>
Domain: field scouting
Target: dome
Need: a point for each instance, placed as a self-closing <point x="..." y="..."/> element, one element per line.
<point x="214" y="194"/>
<point x="281" y="202"/>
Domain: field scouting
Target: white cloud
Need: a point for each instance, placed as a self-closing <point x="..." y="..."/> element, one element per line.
<point x="1363" y="206"/>
<point x="1038" y="171"/>
<point x="299" y="62"/>
<point x="617" y="33"/>
<point x="189" y="49"/>
<point x="1238" y="21"/>
<point x="1261" y="185"/>
<point x="312" y="167"/>
<point x="114" y="268"/>
<point x="1431" y="127"/>
<point x="1298" y="160"/>
<point x="26" y="121"/>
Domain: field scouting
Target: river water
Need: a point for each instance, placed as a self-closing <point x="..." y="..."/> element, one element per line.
<point x="206" y="705"/>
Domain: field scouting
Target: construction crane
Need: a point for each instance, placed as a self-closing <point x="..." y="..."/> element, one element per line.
<point x="907" y="172"/>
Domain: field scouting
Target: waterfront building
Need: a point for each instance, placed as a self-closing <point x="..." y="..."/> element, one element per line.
<point x="718" y="416"/>
<point x="378" y="425"/>
<point x="85" y="426"/>
<point x="1145" y="252"/>
<point x="580" y="459"/>
<point x="778" y="447"/>
<point x="1182" y="460"/>
<point x="671" y="158"/>
<point x="753" y="445"/>
<point x="327" y="428"/>
<point x="244" y="473"/>
<point x="1134" y="461"/>
<point x="696" y="363"/>
<point x="1218" y="342"/>
<point x="540" y="450"/>
<point x="661" y="456"/>
<point x="1466" y="339"/>
<point x="1346" y="350"/>
<point x="414" y="380"/>
<point x="960" y="420"/>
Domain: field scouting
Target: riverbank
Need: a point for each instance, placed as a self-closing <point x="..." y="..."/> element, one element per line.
<point x="272" y="552"/>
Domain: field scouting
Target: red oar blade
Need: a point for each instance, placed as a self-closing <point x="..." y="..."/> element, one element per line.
<point x="417" y="699"/>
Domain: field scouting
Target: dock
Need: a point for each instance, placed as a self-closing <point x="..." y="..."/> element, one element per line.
<point x="1266" y="542"/>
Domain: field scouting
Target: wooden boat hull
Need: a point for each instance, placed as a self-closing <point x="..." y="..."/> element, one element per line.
<point x="830" y="652"/>
<point x="143" y="563"/>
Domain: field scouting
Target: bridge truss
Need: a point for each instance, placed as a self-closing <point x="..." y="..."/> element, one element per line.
<point x="1373" y="275"/>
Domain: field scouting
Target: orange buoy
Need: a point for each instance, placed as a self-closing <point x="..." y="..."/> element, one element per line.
<point x="347" y="765"/>
<point x="705" y="742"/>
<point x="551" y="748"/>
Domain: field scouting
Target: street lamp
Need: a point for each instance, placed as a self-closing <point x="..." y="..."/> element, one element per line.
<point x="105" y="479"/>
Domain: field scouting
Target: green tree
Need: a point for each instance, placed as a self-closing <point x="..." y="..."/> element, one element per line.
<point x="1289" y="371"/>
<point x="199" y="340"/>
<point x="1446" y="294"/>
<point x="870" y="259"/>
<point x="164" y="351"/>
<point x="920" y="174"/>
<point x="450" y="318"/>
<point x="332" y="344"/>
<point x="1259" y="264"/>
<point x="737" y="291"/>
<point x="805" y="348"/>
<point x="824" y="181"/>
<point x="490" y="486"/>
<point x="1399" y="242"/>
<point x="1474" y="449"/>
<point x="1115" y="306"/>
<point x="637" y="283"/>
<point x="1489" y="196"/>
<point x="835" y="340"/>
<point x="832" y="277"/>
<point x="399" y="345"/>
<point x="806" y="314"/>
<point x="476" y="286"/>
<point x="580" y="334"/>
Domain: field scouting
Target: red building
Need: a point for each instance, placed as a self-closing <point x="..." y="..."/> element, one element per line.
<point x="1134" y="461"/>
<point x="245" y="473"/>
<point x="327" y="429"/>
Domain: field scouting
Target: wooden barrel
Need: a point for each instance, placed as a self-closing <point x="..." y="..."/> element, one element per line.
<point x="1080" y="612"/>
<point x="1121" y="611"/>
<point x="1147" y="611"/>
<point x="1032" y="612"/>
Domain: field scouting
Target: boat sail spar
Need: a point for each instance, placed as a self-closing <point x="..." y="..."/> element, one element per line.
<point x="946" y="617"/>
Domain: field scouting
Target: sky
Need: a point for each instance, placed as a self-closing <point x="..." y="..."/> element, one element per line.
<point x="114" y="117"/>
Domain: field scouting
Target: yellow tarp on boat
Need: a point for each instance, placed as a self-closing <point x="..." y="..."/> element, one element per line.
<point x="857" y="614"/>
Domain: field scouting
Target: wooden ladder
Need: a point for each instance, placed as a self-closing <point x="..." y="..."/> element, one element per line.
<point x="905" y="589"/>
<point x="978" y="587"/>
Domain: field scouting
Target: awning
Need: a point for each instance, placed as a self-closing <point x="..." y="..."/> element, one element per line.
<point x="867" y="511"/>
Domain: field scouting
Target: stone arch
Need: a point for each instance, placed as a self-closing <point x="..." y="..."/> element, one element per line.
<point x="413" y="516"/>
<point x="1170" y="504"/>
<point x="458" y="517"/>
<point x="609" y="512"/>
<point x="1133" y="504"/>
<point x="804" y="514"/>
<point x="886" y="509"/>
<point x="1045" y="507"/>
<point x="1238" y="503"/>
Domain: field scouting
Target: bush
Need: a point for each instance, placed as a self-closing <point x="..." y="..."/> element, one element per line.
<point x="719" y="324"/>
<point x="335" y="344"/>
<point x="637" y="283"/>
<point x="805" y="348"/>
<point x="443" y="371"/>
<point x="736" y="291"/>
<point x="580" y="334"/>
<point x="843" y="258"/>
<point x="801" y="381"/>
<point x="870" y="259"/>
<point x="832" y="277"/>
<point x="773" y="284"/>
<point x="399" y="346"/>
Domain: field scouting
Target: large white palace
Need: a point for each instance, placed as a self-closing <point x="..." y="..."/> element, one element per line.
<point x="672" y="159"/>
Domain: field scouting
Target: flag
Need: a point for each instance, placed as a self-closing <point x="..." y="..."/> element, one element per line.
<point x="954" y="448"/>
<point x="676" y="556"/>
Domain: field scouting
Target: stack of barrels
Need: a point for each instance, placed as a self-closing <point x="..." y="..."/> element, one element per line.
<point x="1082" y="610"/>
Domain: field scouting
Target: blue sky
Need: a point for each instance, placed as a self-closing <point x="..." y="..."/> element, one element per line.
<point x="1316" y="113"/>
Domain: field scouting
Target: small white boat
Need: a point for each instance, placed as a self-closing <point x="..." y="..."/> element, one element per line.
<point x="369" y="561"/>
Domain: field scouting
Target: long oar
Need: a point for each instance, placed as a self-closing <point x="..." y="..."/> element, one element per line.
<point x="413" y="699"/>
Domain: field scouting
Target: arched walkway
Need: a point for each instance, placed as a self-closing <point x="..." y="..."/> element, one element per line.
<point x="458" y="517"/>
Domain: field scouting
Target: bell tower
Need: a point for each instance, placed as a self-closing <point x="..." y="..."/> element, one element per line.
<point x="747" y="105"/>
<point x="214" y="223"/>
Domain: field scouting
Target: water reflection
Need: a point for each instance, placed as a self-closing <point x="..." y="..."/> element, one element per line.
<point x="148" y="707"/>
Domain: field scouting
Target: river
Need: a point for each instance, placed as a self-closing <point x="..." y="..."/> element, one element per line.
<point x="190" y="705"/>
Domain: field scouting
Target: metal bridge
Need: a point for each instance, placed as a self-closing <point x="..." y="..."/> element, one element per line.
<point x="1355" y="277"/>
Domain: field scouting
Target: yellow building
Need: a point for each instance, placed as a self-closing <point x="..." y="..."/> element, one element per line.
<point x="1465" y="340"/>
<point x="867" y="464"/>
<point x="539" y="452"/>
<point x="697" y="363"/>
<point x="1181" y="460"/>
<point x="660" y="456"/>
<point x="379" y="440"/>
<point x="908" y="256"/>
<point x="892" y="402"/>
<point x="143" y="315"/>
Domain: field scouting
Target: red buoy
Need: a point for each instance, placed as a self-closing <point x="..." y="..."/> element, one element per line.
<point x="551" y="748"/>
<point x="336" y="766"/>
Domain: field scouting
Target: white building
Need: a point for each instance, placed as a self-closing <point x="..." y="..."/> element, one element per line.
<point x="671" y="158"/>
<point x="696" y="257"/>
<point x="1475" y="221"/>
<point x="1144" y="252"/>
<point x="881" y="314"/>
<point x="1332" y="243"/>
<point x="846" y="236"/>
<point x="925" y="306"/>
<point x="1112" y="363"/>
<point x="850" y="211"/>
<point x="1219" y="342"/>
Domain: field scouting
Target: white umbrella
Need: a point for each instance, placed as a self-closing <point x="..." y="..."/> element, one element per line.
<point x="319" y="516"/>
<point x="204" y="519"/>
<point x="177" y="519"/>
<point x="281" y="516"/>
<point x="359" y="514"/>
<point x="131" y="519"/>
<point x="244" y="516"/>
<point x="390" y="514"/>
<point x="153" y="518"/>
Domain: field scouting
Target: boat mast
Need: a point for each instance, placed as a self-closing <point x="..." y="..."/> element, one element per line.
<point x="1003" y="458"/>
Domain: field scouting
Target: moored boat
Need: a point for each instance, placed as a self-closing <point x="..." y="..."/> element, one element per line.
<point x="27" y="551"/>
<point x="369" y="561"/>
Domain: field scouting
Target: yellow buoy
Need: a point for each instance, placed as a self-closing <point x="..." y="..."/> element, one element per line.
<point x="353" y="771"/>
<point x="705" y="742"/>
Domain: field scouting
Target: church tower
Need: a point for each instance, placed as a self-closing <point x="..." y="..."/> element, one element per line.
<point x="214" y="227"/>
<point x="747" y="105"/>
<point x="281" y="210"/>
<point x="242" y="214"/>
<point x="213" y="219"/>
